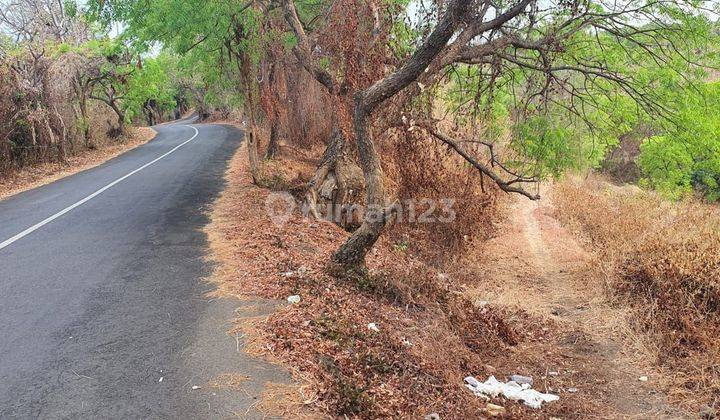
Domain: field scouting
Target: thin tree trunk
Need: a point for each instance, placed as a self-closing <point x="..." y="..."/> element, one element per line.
<point x="273" y="144"/>
<point x="87" y="137"/>
<point x="250" y="135"/>
<point x="149" y="115"/>
<point x="120" y="117"/>
<point x="63" y="136"/>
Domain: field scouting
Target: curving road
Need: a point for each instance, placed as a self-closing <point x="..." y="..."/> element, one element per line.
<point x="103" y="311"/>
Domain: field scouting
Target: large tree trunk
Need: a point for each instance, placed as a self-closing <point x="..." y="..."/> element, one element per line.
<point x="274" y="143"/>
<point x="353" y="251"/>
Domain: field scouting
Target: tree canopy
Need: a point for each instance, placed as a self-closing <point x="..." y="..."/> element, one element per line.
<point x="520" y="91"/>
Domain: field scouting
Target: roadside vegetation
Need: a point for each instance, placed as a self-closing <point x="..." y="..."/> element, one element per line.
<point x="68" y="89"/>
<point x="662" y="260"/>
<point x="366" y="115"/>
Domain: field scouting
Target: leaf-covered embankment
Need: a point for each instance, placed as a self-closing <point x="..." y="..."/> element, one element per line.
<point x="429" y="336"/>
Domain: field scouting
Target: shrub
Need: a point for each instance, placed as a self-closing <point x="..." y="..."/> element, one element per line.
<point x="663" y="260"/>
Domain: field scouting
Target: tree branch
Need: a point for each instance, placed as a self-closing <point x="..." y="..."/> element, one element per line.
<point x="504" y="185"/>
<point x="302" y="49"/>
<point x="435" y="43"/>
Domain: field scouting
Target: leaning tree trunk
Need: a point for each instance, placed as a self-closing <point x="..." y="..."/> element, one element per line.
<point x="120" y="130"/>
<point x="353" y="251"/>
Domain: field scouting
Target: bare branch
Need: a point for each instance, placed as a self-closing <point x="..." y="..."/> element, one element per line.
<point x="504" y="185"/>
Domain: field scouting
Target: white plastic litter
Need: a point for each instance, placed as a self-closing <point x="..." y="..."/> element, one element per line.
<point x="511" y="390"/>
<point x="373" y="327"/>
<point x="294" y="299"/>
<point x="520" y="379"/>
<point x="195" y="387"/>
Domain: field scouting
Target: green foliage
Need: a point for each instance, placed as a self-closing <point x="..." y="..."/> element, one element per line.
<point x="151" y="84"/>
<point x="546" y="143"/>
<point x="208" y="40"/>
<point x="686" y="157"/>
<point x="71" y="8"/>
<point x="209" y="48"/>
<point x="574" y="126"/>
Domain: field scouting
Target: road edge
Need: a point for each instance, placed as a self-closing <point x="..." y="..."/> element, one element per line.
<point x="38" y="175"/>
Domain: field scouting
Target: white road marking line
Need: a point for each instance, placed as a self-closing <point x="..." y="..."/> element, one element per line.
<point x="93" y="195"/>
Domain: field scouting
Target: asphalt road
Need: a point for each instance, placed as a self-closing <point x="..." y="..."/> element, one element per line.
<point x="103" y="312"/>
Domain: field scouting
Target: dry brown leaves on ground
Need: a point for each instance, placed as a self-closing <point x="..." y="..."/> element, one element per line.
<point x="429" y="335"/>
<point x="34" y="176"/>
<point x="662" y="261"/>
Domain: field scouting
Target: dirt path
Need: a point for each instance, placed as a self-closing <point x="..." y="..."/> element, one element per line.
<point x="537" y="265"/>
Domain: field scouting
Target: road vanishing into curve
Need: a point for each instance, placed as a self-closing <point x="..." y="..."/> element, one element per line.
<point x="103" y="307"/>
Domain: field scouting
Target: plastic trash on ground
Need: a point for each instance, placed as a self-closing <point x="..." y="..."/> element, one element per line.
<point x="511" y="390"/>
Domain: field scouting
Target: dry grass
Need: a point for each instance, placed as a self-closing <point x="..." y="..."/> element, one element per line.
<point x="424" y="171"/>
<point x="662" y="261"/>
<point x="34" y="176"/>
<point x="232" y="381"/>
<point x="430" y="334"/>
<point x="286" y="401"/>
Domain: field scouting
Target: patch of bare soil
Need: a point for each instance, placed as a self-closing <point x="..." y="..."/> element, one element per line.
<point x="536" y="265"/>
<point x="34" y="176"/>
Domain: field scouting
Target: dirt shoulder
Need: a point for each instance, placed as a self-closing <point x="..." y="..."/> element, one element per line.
<point x="37" y="175"/>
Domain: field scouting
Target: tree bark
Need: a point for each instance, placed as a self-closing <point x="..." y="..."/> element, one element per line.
<point x="352" y="252"/>
<point x="327" y="164"/>
<point x="120" y="116"/>
<point x="85" y="129"/>
<point x="111" y="101"/>
<point x="62" y="152"/>
<point x="273" y="144"/>
<point x="250" y="136"/>
<point x="253" y="153"/>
